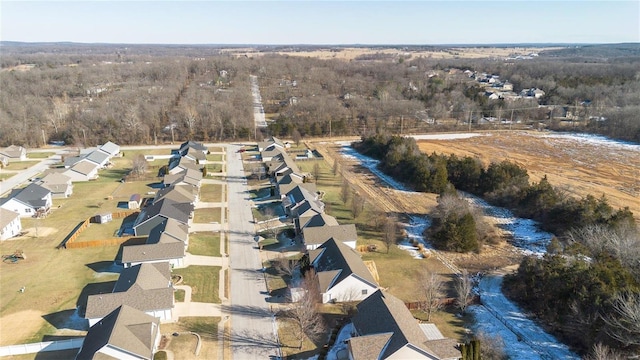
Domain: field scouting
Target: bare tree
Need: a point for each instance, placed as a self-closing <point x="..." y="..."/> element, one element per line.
<point x="357" y="204"/>
<point x="390" y="232"/>
<point x="464" y="290"/>
<point x="603" y="352"/>
<point x="270" y="223"/>
<point x="295" y="135"/>
<point x="304" y="313"/>
<point x="336" y="165"/>
<point x="345" y="191"/>
<point x="491" y="347"/>
<point x="624" y="322"/>
<point x="139" y="166"/>
<point x="431" y="286"/>
<point x="284" y="266"/>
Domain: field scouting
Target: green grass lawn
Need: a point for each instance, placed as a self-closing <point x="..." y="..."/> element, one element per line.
<point x="203" y="281"/>
<point x="214" y="157"/>
<point x="211" y="193"/>
<point x="207" y="215"/>
<point x="216" y="149"/>
<point x="4" y="175"/>
<point x="207" y="244"/>
<point x="20" y="165"/>
<point x="214" y="168"/>
<point x="40" y="155"/>
<point x="179" y="295"/>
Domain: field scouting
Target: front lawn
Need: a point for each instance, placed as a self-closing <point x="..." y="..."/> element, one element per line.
<point x="207" y="215"/>
<point x="203" y="281"/>
<point x="207" y="244"/>
<point x="211" y="193"/>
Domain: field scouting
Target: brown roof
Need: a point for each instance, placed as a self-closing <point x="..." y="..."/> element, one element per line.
<point x="124" y="328"/>
<point x="84" y="167"/>
<point x="368" y="346"/>
<point x="6" y="217"/>
<point x="318" y="235"/>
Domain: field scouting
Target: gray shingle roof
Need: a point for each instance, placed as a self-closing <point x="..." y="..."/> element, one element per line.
<point x="6" y="217"/>
<point x="84" y="167"/>
<point x="185" y="146"/>
<point x="321" y="220"/>
<point x="145" y="287"/>
<point x="168" y="209"/>
<point x="98" y="157"/>
<point x="125" y="328"/>
<point x="33" y="195"/>
<point x="110" y="148"/>
<point x="383" y="313"/>
<point x="337" y="256"/>
<point x="160" y="245"/>
<point x="178" y="193"/>
<point x="13" y="151"/>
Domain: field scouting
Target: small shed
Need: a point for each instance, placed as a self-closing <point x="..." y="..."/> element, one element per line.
<point x="134" y="201"/>
<point x="104" y="218"/>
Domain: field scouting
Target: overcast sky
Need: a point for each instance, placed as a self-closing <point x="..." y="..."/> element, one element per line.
<point x="321" y="22"/>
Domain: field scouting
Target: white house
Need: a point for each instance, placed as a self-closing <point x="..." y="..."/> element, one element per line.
<point x="28" y="202"/>
<point x="14" y="153"/>
<point x="342" y="275"/>
<point x="59" y="184"/>
<point x="83" y="170"/>
<point x="10" y="224"/>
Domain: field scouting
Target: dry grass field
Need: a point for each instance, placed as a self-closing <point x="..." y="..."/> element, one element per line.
<point x="576" y="166"/>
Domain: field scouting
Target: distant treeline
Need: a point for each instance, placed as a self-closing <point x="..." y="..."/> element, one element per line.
<point x="504" y="184"/>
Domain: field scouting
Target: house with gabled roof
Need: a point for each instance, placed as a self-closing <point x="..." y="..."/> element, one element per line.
<point x="159" y="211"/>
<point x="124" y="333"/>
<point x="59" y="184"/>
<point x="195" y="155"/>
<point x="318" y="220"/>
<point x="29" y="201"/>
<point x="178" y="193"/>
<point x="10" y="224"/>
<point x="303" y="211"/>
<point x="187" y="176"/>
<point x="146" y="287"/>
<point x="180" y="164"/>
<point x="288" y="182"/>
<point x="167" y="242"/>
<point x="83" y="170"/>
<point x="98" y="157"/>
<point x="14" y="153"/>
<point x="342" y="275"/>
<point x="269" y="155"/>
<point x="110" y="148"/>
<point x="270" y="143"/>
<point x="297" y="195"/>
<point x="186" y="146"/>
<point x="313" y="237"/>
<point x="385" y="329"/>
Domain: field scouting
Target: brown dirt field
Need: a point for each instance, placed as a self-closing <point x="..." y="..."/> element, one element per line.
<point x="578" y="167"/>
<point x="30" y="321"/>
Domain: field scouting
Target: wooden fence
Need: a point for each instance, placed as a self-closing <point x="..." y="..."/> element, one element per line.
<point x="69" y="242"/>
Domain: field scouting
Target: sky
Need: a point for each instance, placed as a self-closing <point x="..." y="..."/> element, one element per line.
<point x="321" y="22"/>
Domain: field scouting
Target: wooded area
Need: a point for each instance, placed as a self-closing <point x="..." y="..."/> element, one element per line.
<point x="143" y="94"/>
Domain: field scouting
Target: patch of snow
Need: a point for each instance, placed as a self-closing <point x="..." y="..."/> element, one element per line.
<point x="447" y="136"/>
<point x="372" y="164"/>
<point x="597" y="140"/>
<point x="414" y="230"/>
<point x="525" y="232"/>
<point x="339" y="345"/>
<point x="506" y="312"/>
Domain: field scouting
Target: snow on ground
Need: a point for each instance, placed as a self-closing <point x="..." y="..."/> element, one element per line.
<point x="414" y="230"/>
<point x="447" y="136"/>
<point x="523" y="338"/>
<point x="515" y="320"/>
<point x="525" y="233"/>
<point x="595" y="140"/>
<point x="340" y="347"/>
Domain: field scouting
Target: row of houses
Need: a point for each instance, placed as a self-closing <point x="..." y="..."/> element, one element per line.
<point x="383" y="327"/>
<point x="36" y="199"/>
<point x="125" y="323"/>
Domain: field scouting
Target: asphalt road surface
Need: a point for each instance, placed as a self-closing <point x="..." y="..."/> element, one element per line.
<point x="252" y="324"/>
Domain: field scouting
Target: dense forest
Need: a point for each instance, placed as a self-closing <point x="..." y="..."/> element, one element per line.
<point x="146" y="94"/>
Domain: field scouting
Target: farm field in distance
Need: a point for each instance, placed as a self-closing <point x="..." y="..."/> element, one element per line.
<point x="579" y="167"/>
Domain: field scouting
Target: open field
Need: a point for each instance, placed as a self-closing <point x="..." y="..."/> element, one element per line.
<point x="446" y="53"/>
<point x="578" y="167"/>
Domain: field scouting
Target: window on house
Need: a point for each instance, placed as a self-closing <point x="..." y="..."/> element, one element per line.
<point x="364" y="291"/>
<point x="27" y="210"/>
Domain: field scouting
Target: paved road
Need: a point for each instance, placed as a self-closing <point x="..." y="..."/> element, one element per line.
<point x="252" y="326"/>
<point x="258" y="110"/>
<point x="24" y="175"/>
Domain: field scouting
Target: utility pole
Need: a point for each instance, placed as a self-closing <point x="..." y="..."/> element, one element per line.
<point x="511" y="122"/>
<point x="44" y="139"/>
<point x="401" y="124"/>
<point x="329" y="128"/>
<point x="470" y="116"/>
<point x="84" y="135"/>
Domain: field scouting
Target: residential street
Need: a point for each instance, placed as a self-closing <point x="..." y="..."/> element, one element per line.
<point x="23" y="176"/>
<point x="252" y="324"/>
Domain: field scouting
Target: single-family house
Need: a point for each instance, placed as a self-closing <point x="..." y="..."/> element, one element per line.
<point x="192" y="145"/>
<point x="304" y="211"/>
<point x="167" y="242"/>
<point x="159" y="211"/>
<point x="271" y="153"/>
<point x="196" y="155"/>
<point x="179" y="194"/>
<point x="313" y="237"/>
<point x="59" y="184"/>
<point x="290" y="181"/>
<point x="342" y="275"/>
<point x="98" y="157"/>
<point x="14" y="153"/>
<point x="69" y="161"/>
<point x="31" y="201"/>
<point x="10" y="224"/>
<point x="385" y="329"/>
<point x="297" y="195"/>
<point x="270" y="143"/>
<point x="180" y="164"/>
<point x="125" y="333"/>
<point x="4" y="161"/>
<point x="110" y="148"/>
<point x="144" y="287"/>
<point x="83" y="170"/>
<point x="188" y="176"/>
